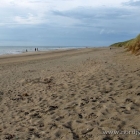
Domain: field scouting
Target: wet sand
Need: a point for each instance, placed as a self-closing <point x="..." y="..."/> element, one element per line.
<point x="69" y="95"/>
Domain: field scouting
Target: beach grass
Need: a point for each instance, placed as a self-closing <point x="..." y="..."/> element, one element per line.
<point x="132" y="45"/>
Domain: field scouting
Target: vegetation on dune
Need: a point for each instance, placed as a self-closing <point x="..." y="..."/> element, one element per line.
<point x="132" y="45"/>
<point x="120" y="44"/>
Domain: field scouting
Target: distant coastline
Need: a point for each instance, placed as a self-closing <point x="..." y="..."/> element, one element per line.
<point x="12" y="50"/>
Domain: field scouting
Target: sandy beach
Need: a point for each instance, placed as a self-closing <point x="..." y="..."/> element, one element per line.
<point x="70" y="95"/>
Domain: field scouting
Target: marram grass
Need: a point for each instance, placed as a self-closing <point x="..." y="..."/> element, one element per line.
<point x="132" y="45"/>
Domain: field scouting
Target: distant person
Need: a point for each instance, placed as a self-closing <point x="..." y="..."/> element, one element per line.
<point x="26" y="50"/>
<point x="110" y="48"/>
<point x="35" y="49"/>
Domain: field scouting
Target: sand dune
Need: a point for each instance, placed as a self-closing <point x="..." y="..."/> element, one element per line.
<point x="70" y="95"/>
<point x="132" y="45"/>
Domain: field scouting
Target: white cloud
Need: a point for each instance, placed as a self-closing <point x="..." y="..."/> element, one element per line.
<point x="40" y="9"/>
<point x="30" y="19"/>
<point x="102" y="31"/>
<point x="59" y="19"/>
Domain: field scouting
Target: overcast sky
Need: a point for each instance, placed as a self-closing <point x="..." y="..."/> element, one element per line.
<point x="68" y="22"/>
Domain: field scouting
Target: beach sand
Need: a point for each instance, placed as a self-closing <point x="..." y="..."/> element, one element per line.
<point x="70" y="95"/>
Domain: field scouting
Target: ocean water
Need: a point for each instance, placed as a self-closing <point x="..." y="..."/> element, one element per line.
<point x="21" y="49"/>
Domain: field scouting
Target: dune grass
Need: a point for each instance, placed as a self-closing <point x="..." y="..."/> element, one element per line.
<point x="132" y="45"/>
<point x="120" y="44"/>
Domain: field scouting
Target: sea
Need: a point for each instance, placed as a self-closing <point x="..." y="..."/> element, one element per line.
<point x="4" y="50"/>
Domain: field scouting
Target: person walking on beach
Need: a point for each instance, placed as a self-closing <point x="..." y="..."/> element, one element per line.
<point x="35" y="49"/>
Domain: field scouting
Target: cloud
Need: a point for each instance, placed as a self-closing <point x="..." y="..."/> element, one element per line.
<point x="94" y="13"/>
<point x="132" y="3"/>
<point x="103" y="31"/>
<point x="61" y="12"/>
<point x="29" y="19"/>
<point x="68" y="21"/>
<point x="111" y="19"/>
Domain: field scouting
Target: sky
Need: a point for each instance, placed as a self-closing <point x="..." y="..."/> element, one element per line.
<point x="68" y="22"/>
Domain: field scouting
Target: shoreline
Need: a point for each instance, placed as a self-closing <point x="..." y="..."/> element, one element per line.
<point x="30" y="56"/>
<point x="50" y="50"/>
<point x="31" y="50"/>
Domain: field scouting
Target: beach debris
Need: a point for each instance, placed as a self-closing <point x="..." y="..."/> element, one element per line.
<point x="86" y="100"/>
<point x="80" y="116"/>
<point x="69" y="126"/>
<point x="126" y="112"/>
<point x="82" y="104"/>
<point x="37" y="134"/>
<point x="59" y="118"/>
<point x="1" y="93"/>
<point x="31" y="129"/>
<point x="25" y="94"/>
<point x="52" y="125"/>
<point x="48" y="80"/>
<point x="41" y="124"/>
<point x="9" y="136"/>
<point x="52" y="107"/>
<point x="26" y="113"/>
<point x="87" y="130"/>
<point x="36" y="115"/>
<point x="128" y="100"/>
<point x="91" y="115"/>
<point x="17" y="99"/>
<point x="32" y="132"/>
<point x="107" y="138"/>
